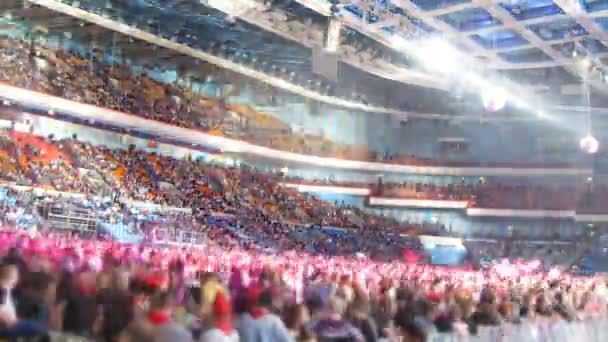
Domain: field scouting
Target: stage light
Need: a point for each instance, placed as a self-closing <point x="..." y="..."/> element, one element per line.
<point x="585" y="64"/>
<point x="439" y="55"/>
<point x="589" y="144"/>
<point x="397" y="41"/>
<point x="494" y="99"/>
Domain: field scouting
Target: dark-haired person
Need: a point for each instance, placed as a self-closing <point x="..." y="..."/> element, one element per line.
<point x="11" y="326"/>
<point x="9" y="277"/>
<point x="410" y="330"/>
<point x="259" y="324"/>
<point x="296" y="317"/>
<point x="222" y="329"/>
<point x="164" y="328"/>
<point x="333" y="327"/>
<point x="360" y="316"/>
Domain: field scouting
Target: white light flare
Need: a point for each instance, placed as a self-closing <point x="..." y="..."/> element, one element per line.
<point x="494" y="99"/>
<point x="440" y="56"/>
<point x="589" y="144"/>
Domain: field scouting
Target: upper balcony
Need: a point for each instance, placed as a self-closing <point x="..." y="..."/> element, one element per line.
<point x="188" y="113"/>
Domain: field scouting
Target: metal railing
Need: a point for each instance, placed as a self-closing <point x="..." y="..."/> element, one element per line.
<point x="173" y="237"/>
<point x="589" y="330"/>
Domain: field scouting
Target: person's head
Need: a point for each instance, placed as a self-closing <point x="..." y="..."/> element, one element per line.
<point x="314" y="303"/>
<point x="296" y="316"/>
<point x="506" y="310"/>
<point x="264" y="300"/>
<point x="542" y="306"/>
<point x="359" y="309"/>
<point x="209" y="277"/>
<point x="466" y="306"/>
<point x="307" y="335"/>
<point x="410" y="329"/>
<point x="454" y="313"/>
<point x="117" y="313"/>
<point x="422" y="308"/>
<point x="176" y="273"/>
<point x="121" y="280"/>
<point x="9" y="276"/>
<point x="487" y="296"/>
<point x="336" y="306"/>
<point x="161" y="301"/>
<point x="43" y="285"/>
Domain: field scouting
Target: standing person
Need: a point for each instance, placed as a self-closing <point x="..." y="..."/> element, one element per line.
<point x="333" y="327"/>
<point x="210" y="287"/>
<point x="259" y="324"/>
<point x="9" y="277"/>
<point x="177" y="282"/>
<point x="165" y="329"/>
<point x="296" y="320"/>
<point x="222" y="329"/>
<point x="11" y="327"/>
<point x="80" y="297"/>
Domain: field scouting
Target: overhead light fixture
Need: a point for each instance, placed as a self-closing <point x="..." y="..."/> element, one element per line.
<point x="585" y="64"/>
<point x="494" y="99"/>
<point x="439" y="55"/>
<point x="589" y="144"/>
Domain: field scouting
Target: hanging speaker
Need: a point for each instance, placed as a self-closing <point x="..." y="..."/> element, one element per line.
<point x="325" y="64"/>
<point x="332" y="39"/>
<point x="325" y="60"/>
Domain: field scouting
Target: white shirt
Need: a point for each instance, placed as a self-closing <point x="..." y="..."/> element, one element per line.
<point x="7" y="309"/>
<point x="216" y="335"/>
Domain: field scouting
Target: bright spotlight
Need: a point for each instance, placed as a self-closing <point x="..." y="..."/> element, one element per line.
<point x="589" y="144"/>
<point x="439" y="55"/>
<point x="585" y="64"/>
<point x="399" y="42"/>
<point x="494" y="99"/>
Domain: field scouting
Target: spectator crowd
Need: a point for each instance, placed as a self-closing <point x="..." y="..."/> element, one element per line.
<point x="87" y="79"/>
<point x="55" y="283"/>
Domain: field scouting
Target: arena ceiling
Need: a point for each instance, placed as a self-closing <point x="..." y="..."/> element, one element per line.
<point x="540" y="44"/>
<point x="553" y="35"/>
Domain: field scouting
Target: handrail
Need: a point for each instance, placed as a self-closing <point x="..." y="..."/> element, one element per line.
<point x="589" y="330"/>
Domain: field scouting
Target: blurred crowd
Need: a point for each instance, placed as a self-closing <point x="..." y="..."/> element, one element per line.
<point x="483" y="194"/>
<point x="257" y="202"/>
<point x="114" y="292"/>
<point x="119" y="292"/>
<point x="252" y="202"/>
